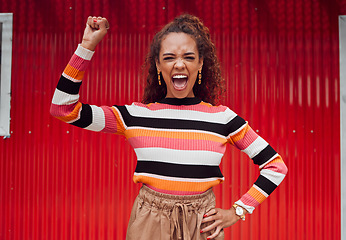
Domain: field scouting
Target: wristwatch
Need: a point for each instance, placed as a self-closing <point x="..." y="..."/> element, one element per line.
<point x="239" y="211"/>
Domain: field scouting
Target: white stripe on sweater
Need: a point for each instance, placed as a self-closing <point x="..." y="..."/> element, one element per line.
<point x="219" y="117"/>
<point x="184" y="157"/>
<point x="274" y="177"/>
<point x="98" y="119"/>
<point x="84" y="53"/>
<point x="255" y="147"/>
<point x="62" y="98"/>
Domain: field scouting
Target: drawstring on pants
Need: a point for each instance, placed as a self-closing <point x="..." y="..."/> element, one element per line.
<point x="179" y="221"/>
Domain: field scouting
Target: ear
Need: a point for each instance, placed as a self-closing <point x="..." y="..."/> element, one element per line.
<point x="157" y="66"/>
<point x="200" y="64"/>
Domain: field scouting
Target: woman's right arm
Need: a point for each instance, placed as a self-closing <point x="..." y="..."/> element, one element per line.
<point x="66" y="105"/>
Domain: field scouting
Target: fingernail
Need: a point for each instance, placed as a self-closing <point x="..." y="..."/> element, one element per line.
<point x="208" y="238"/>
<point x="201" y="231"/>
<point x="205" y="215"/>
<point x="95" y="20"/>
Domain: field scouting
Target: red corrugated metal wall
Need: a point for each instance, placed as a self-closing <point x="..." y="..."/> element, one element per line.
<point x="281" y="62"/>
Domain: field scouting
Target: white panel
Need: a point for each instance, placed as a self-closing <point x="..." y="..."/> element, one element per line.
<point x="5" y="78"/>
<point x="342" y="32"/>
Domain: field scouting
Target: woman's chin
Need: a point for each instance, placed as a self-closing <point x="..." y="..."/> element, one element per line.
<point x="182" y="92"/>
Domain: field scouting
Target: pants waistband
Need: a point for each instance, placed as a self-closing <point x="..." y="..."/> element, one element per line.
<point x="152" y="192"/>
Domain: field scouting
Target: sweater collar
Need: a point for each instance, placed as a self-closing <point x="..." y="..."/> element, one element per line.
<point x="182" y="101"/>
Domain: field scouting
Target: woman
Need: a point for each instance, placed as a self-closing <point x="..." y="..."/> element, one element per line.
<point x="178" y="135"/>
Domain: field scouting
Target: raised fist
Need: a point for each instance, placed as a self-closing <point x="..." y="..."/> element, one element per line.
<point x="96" y="28"/>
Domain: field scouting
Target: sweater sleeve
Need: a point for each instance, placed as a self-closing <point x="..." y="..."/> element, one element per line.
<point x="272" y="168"/>
<point x="67" y="107"/>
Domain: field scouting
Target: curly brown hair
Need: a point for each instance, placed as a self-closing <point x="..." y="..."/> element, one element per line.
<point x="212" y="86"/>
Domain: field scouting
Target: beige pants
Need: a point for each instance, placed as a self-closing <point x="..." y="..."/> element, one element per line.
<point x="159" y="216"/>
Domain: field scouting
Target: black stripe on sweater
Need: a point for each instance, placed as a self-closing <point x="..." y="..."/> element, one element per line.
<point x="235" y="124"/>
<point x="263" y="156"/>
<point x="86" y="117"/>
<point x="178" y="170"/>
<point x="222" y="129"/>
<point x="67" y="86"/>
<point x="265" y="184"/>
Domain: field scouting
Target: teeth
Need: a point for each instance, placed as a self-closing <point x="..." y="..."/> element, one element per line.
<point x="180" y="76"/>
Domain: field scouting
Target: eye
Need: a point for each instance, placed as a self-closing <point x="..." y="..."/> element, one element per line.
<point x="168" y="58"/>
<point x="190" y="58"/>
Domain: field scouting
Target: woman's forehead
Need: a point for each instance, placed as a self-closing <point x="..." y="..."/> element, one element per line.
<point x="178" y="42"/>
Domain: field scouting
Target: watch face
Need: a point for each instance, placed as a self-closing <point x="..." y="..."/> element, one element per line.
<point x="239" y="211"/>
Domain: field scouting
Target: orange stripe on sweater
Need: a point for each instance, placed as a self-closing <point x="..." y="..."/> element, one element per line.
<point x="176" y="185"/>
<point x="73" y="72"/>
<point x="206" y="104"/>
<point x="253" y="192"/>
<point x="178" y="135"/>
<point x="278" y="159"/>
<point x="120" y="124"/>
<point x="240" y="135"/>
<point x="73" y="115"/>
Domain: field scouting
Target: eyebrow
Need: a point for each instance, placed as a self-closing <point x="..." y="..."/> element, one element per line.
<point x="172" y="54"/>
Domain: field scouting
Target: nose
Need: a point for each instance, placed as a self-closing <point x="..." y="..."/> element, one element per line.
<point x="179" y="63"/>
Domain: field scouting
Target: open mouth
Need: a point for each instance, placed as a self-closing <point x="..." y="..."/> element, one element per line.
<point x="179" y="81"/>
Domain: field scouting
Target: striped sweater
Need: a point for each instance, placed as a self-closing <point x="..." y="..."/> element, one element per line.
<point x="179" y="143"/>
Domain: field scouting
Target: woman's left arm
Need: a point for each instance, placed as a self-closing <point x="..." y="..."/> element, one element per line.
<point x="272" y="171"/>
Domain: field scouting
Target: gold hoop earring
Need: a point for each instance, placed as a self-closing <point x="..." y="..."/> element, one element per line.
<point x="159" y="77"/>
<point x="199" y="77"/>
